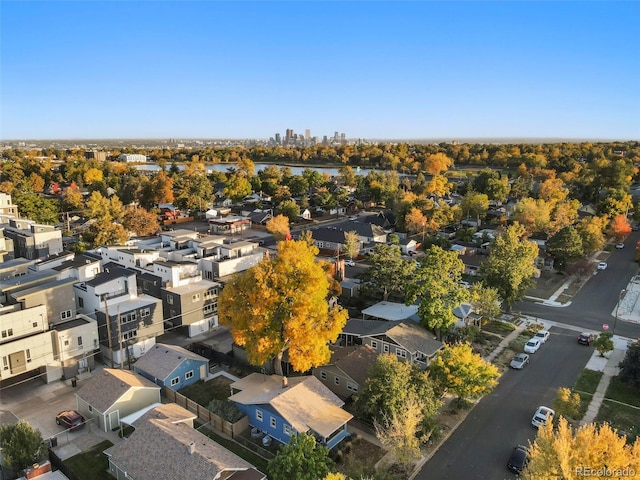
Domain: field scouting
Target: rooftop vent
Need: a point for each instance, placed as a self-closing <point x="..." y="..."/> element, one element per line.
<point x="191" y="448"/>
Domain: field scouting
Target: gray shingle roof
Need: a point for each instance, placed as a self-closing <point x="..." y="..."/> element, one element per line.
<point x="159" y="448"/>
<point x="102" y="391"/>
<point x="163" y="359"/>
<point x="414" y="338"/>
<point x="355" y="361"/>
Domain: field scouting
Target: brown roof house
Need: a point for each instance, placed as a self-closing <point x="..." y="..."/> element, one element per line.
<point x="114" y="394"/>
<point x="164" y="444"/>
<point x="347" y="370"/>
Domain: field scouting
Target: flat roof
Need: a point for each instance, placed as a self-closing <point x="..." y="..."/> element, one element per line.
<point x="391" y="311"/>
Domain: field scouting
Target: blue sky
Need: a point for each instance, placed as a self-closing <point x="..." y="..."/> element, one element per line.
<point x="402" y="70"/>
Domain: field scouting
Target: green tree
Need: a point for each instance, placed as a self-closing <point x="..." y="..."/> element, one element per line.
<point x="390" y="386"/>
<point x="565" y="246"/>
<point x="237" y="187"/>
<point x="591" y="232"/>
<point x="485" y="300"/>
<point x="290" y="209"/>
<point x="193" y="187"/>
<point x="282" y="304"/>
<point x="436" y="286"/>
<point x="400" y="432"/>
<point x="604" y="343"/>
<point x="533" y="215"/>
<point x="510" y="265"/>
<point x="21" y="445"/>
<point x="630" y="365"/>
<point x="458" y="369"/>
<point x="389" y="272"/>
<point x="36" y="207"/>
<point x="302" y="458"/>
<point x="474" y="205"/>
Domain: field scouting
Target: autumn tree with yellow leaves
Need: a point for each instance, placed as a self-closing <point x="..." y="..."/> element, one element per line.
<point x="282" y="304"/>
<point x="278" y="226"/>
<point x="588" y="451"/>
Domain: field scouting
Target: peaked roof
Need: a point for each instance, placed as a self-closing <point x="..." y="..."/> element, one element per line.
<point x="102" y="391"/>
<point x="305" y="402"/>
<point x="160" y="447"/>
<point x="355" y="361"/>
<point x="163" y="359"/>
<point x="414" y="338"/>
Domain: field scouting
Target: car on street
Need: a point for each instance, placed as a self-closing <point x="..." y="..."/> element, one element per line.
<point x="542" y="415"/>
<point x="350" y="263"/>
<point x="353" y="217"/>
<point x="532" y="345"/>
<point x="542" y="335"/>
<point x="619" y="245"/>
<point x="70" y="419"/>
<point x="635" y="228"/>
<point x="519" y="361"/>
<point x="518" y="459"/>
<point x="586" y="338"/>
<point x="602" y="266"/>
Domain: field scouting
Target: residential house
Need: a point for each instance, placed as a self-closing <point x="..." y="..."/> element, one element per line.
<point x="231" y="224"/>
<point x="7" y="207"/>
<point x="188" y="301"/>
<point x="281" y="407"/>
<point x="128" y="323"/>
<point x="385" y="219"/>
<point x="26" y="280"/>
<point x="391" y="312"/>
<point x="164" y="444"/>
<point x="172" y="366"/>
<point x="407" y="340"/>
<point x="17" y="267"/>
<point x="75" y="343"/>
<point x="32" y="240"/>
<point x="113" y="395"/>
<point x="56" y="295"/>
<point x="367" y="232"/>
<point x="218" y="256"/>
<point x="259" y="217"/>
<point x="347" y="370"/>
<point x="408" y="246"/>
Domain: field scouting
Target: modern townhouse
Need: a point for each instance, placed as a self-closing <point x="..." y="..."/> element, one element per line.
<point x="31" y="240"/>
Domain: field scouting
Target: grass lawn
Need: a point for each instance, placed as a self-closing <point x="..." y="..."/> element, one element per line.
<point x="203" y="392"/>
<point x="623" y="418"/>
<point x="91" y="464"/>
<point x="496" y="326"/>
<point x="517" y="345"/>
<point x="586" y="386"/>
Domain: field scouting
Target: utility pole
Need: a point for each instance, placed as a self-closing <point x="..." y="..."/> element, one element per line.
<point x="106" y="310"/>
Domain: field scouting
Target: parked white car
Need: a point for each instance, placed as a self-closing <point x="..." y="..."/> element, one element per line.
<point x="532" y="345"/>
<point x="542" y="415"/>
<point x="542" y="335"/>
<point x="602" y="266"/>
<point x="350" y="263"/>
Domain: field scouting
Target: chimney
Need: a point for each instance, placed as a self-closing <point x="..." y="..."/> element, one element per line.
<point x="285" y="382"/>
<point x="192" y="448"/>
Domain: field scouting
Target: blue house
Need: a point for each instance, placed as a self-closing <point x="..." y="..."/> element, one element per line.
<point x="281" y="407"/>
<point x="172" y="366"/>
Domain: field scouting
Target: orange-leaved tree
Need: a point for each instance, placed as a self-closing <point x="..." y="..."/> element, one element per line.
<point x="620" y="227"/>
<point x="282" y="303"/>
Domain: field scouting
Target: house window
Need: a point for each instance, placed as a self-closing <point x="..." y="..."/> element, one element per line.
<point x="323" y="375"/>
<point x="5" y="363"/>
<point x="286" y="429"/>
<point x="80" y="302"/>
<point x="195" y="297"/>
<point x="65" y="315"/>
<point x="188" y="375"/>
<point x="170" y="299"/>
<point x="259" y="415"/>
<point x="352" y="387"/>
<point x="210" y="308"/>
<point x="90" y="408"/>
<point x="28" y="355"/>
<point x="211" y="294"/>
<point x="385" y="348"/>
<point x="374" y="344"/>
<point x="272" y="422"/>
<point x="401" y="353"/>
<point x="4" y="334"/>
<point x="336" y="380"/>
<point x="129" y="335"/>
<point x="175" y="381"/>
<point x="35" y="324"/>
<point x="145" y="312"/>
<point x="79" y="341"/>
<point x="320" y="244"/>
<point x="128" y="317"/>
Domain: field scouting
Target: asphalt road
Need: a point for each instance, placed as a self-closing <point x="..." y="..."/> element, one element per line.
<point x="480" y="447"/>
<point x="593" y="305"/>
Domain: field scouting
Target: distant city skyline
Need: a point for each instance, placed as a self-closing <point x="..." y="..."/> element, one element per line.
<point x="373" y="70"/>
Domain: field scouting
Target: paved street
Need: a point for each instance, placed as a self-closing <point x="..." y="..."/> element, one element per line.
<point x="480" y="447"/>
<point x="595" y="304"/>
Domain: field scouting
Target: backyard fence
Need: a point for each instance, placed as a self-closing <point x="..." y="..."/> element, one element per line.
<point x="232" y="430"/>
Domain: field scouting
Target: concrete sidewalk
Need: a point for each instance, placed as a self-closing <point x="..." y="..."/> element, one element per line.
<point x="608" y="365"/>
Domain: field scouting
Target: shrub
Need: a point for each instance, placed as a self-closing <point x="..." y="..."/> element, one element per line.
<point x="226" y="410"/>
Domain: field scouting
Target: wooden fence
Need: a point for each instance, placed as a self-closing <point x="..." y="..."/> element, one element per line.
<point x="232" y="430"/>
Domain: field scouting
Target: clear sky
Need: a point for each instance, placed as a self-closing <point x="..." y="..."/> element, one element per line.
<point x="401" y="70"/>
